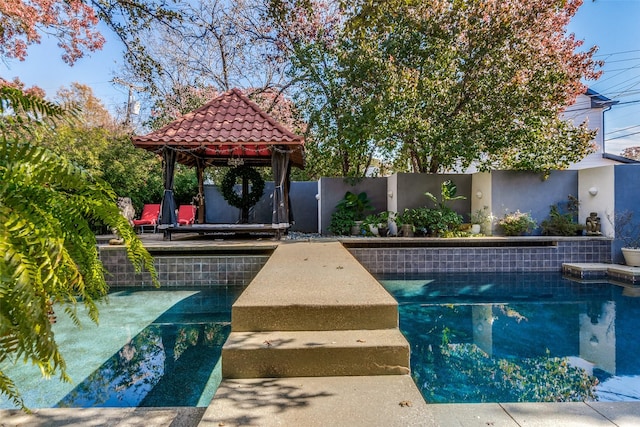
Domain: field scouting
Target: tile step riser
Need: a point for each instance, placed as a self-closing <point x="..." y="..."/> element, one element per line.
<point x="315" y="362"/>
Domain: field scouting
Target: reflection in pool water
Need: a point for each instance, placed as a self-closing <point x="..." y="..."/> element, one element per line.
<point x="151" y="348"/>
<point x="164" y="365"/>
<point x="519" y="337"/>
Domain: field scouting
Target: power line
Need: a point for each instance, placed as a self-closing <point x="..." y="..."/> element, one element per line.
<point x="617" y="74"/>
<point x="623" y="129"/>
<point x="628" y="102"/>
<point x="621" y="60"/>
<point x="616" y="53"/>
<point x="622" y="136"/>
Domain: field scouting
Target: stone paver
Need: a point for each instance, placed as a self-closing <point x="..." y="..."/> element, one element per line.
<point x="622" y="414"/>
<point x="112" y="417"/>
<point x="570" y="414"/>
<point x="389" y="401"/>
<point x="471" y="415"/>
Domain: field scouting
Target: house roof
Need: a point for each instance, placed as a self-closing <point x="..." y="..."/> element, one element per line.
<point x="598" y="100"/>
<point x="229" y="126"/>
<point x="620" y="159"/>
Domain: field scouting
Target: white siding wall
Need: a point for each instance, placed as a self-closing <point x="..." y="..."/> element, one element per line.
<point x="602" y="180"/>
<point x="578" y="113"/>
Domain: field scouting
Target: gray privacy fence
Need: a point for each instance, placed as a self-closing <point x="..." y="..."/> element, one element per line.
<point x="604" y="190"/>
<point x="303" y="205"/>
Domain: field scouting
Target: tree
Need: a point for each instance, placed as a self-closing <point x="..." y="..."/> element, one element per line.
<point x="443" y="84"/>
<point x="96" y="143"/>
<point x="50" y="258"/>
<point x="217" y="43"/>
<point x="631" y="153"/>
<point x="338" y="136"/>
<point x="74" y="24"/>
<point x="91" y="112"/>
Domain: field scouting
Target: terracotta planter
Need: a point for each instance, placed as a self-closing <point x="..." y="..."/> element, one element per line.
<point x="356" y="230"/>
<point x="407" y="230"/>
<point x="631" y="256"/>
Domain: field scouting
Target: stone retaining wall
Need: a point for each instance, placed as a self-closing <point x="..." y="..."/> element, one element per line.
<point x="548" y="256"/>
<point x="197" y="270"/>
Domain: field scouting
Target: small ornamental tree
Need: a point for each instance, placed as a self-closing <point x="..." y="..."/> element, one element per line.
<point x="49" y="258"/>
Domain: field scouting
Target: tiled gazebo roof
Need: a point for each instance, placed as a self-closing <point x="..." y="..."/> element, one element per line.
<point x="229" y="126"/>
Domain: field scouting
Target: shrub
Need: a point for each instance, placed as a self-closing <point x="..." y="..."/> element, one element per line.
<point x="353" y="207"/>
<point x="560" y="224"/>
<point x="517" y="223"/>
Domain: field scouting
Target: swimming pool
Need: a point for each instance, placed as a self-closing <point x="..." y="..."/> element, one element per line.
<point x="510" y="337"/>
<point x="152" y="348"/>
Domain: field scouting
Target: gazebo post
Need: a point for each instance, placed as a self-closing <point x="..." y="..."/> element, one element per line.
<point x="244" y="219"/>
<point x="200" y="173"/>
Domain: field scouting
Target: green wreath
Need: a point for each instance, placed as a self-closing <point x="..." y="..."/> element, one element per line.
<point x="246" y="200"/>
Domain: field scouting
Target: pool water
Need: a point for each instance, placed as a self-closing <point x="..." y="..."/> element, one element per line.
<point x="152" y="348"/>
<point x="519" y="337"/>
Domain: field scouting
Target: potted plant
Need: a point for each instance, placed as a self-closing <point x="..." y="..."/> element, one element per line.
<point x="378" y="224"/>
<point x="628" y="231"/>
<point x="350" y="213"/>
<point x="405" y="222"/>
<point x="479" y="219"/>
<point x="517" y="223"/>
<point x="360" y="205"/>
<point x="442" y="220"/>
<point x="563" y="223"/>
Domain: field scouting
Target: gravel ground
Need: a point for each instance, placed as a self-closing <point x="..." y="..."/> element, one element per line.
<point x="296" y="235"/>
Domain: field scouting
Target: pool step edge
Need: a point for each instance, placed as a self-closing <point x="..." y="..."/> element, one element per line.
<point x="281" y="354"/>
<point x="303" y="317"/>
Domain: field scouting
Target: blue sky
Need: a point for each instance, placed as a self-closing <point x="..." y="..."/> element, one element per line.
<point x="613" y="25"/>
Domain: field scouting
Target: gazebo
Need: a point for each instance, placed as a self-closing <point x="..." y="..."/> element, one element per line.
<point x="230" y="130"/>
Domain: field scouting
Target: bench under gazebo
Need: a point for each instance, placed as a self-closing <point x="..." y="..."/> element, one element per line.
<point x="230" y="131"/>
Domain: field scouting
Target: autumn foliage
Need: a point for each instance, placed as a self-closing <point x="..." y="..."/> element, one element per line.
<point x="439" y="85"/>
<point x="72" y="22"/>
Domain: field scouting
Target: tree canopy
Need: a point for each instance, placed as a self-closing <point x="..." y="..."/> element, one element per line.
<point x="74" y="24"/>
<point x="423" y="86"/>
<point x="440" y="85"/>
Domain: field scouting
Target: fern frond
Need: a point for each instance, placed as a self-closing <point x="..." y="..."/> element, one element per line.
<point x="9" y="389"/>
<point x="48" y="254"/>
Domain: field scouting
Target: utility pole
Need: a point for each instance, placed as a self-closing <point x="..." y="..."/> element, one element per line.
<point x="130" y="101"/>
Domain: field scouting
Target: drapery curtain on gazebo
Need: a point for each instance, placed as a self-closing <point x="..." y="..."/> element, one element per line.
<point x="168" y="204"/>
<point x="280" y="169"/>
<point x="230" y="129"/>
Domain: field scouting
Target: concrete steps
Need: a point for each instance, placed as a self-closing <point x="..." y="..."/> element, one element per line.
<point x="312" y="311"/>
<point x="315" y="354"/>
<point x="316" y="317"/>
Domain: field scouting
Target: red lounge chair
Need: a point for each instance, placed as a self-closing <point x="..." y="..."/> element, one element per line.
<point x="186" y="214"/>
<point x="149" y="217"/>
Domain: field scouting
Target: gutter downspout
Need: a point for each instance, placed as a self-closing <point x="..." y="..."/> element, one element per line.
<point x="604" y="151"/>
